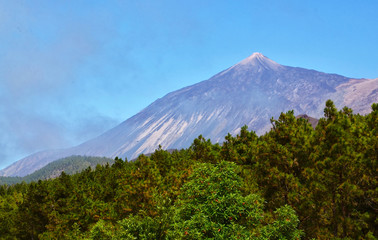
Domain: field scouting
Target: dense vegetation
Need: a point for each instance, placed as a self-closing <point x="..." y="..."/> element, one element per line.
<point x="293" y="182"/>
<point x="70" y="165"/>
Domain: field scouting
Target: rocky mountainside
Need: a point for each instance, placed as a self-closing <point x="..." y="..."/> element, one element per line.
<point x="248" y="93"/>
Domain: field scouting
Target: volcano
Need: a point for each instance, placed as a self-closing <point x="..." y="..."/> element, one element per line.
<point x="248" y="93"/>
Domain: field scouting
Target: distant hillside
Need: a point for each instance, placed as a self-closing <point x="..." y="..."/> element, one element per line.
<point x="70" y="165"/>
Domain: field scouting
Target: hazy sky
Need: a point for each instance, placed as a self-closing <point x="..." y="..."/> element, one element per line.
<point x="69" y="70"/>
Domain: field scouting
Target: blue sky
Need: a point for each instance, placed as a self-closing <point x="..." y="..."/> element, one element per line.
<point x="70" y="70"/>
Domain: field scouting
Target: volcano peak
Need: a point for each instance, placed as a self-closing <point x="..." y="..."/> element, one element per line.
<point x="258" y="60"/>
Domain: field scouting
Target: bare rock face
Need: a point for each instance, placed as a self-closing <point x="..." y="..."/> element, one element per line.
<point x="248" y="93"/>
<point x="359" y="94"/>
<point x="311" y="120"/>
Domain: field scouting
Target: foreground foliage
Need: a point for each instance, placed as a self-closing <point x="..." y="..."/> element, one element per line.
<point x="292" y="182"/>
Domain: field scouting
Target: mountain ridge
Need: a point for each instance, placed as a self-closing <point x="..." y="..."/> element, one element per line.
<point x="248" y="93"/>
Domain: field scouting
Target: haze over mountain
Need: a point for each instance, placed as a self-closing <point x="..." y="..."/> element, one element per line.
<point x="248" y="93"/>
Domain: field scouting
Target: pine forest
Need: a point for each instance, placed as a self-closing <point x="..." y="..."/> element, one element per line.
<point x="294" y="182"/>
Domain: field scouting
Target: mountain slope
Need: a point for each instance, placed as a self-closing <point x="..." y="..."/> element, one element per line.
<point x="248" y="93"/>
<point x="69" y="165"/>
